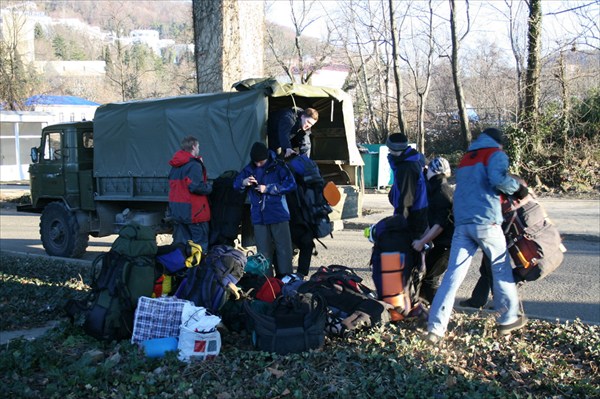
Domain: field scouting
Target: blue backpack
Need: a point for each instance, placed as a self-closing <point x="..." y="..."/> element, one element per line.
<point x="397" y="270"/>
<point x="309" y="194"/>
<point x="213" y="282"/>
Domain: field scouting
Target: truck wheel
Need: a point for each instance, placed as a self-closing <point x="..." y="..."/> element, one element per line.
<point x="60" y="232"/>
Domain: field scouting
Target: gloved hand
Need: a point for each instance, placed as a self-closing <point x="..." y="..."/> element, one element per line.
<point x="521" y="192"/>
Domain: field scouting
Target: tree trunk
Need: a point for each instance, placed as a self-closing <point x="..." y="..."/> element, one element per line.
<point x="532" y="79"/>
<point x="396" y="67"/>
<point x="228" y="47"/>
<point x="208" y="37"/>
<point x="458" y="90"/>
<point x="566" y="102"/>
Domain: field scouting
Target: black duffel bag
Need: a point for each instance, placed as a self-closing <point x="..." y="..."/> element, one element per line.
<point x="291" y="324"/>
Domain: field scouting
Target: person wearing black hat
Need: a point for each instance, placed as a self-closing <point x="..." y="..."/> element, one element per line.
<point x="267" y="180"/>
<point x="481" y="177"/>
<point x="408" y="194"/>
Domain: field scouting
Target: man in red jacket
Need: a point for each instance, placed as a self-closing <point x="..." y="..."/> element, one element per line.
<point x="188" y="194"/>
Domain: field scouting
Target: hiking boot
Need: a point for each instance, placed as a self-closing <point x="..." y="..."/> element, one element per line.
<point x="505" y="329"/>
<point x="433" y="339"/>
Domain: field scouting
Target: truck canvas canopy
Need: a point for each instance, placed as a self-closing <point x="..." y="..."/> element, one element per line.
<point x="138" y="138"/>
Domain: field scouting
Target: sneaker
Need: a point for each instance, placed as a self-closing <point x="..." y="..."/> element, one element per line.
<point x="433" y="339"/>
<point x="505" y="329"/>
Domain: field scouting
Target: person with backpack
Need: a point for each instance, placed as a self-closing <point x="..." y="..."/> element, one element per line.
<point x="290" y="128"/>
<point x="188" y="194"/>
<point x="441" y="226"/>
<point x="482" y="175"/>
<point x="307" y="208"/>
<point x="408" y="194"/>
<point x="267" y="180"/>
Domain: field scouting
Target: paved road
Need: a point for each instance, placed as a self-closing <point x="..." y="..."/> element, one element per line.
<point x="573" y="291"/>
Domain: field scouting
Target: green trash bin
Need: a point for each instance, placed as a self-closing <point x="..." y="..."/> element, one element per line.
<point x="371" y="160"/>
<point x="371" y="169"/>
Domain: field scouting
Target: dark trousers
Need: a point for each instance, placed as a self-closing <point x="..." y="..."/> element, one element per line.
<point x="302" y="238"/>
<point x="436" y="264"/>
<point x="197" y="232"/>
<point x="481" y="292"/>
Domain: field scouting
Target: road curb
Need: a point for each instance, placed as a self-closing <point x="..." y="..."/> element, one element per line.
<point x="30" y="334"/>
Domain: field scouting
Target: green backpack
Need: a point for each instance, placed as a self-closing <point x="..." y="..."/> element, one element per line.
<point x="127" y="272"/>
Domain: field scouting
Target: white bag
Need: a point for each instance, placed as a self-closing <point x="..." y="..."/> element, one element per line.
<point x="195" y="345"/>
<point x="198" y="335"/>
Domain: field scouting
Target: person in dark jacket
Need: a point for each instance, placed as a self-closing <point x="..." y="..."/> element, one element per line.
<point x="481" y="176"/>
<point x="290" y="128"/>
<point x="188" y="190"/>
<point x="441" y="226"/>
<point x="408" y="194"/>
<point x="267" y="180"/>
<point x="301" y="231"/>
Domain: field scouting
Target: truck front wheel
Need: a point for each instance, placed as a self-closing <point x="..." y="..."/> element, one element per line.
<point x="60" y="232"/>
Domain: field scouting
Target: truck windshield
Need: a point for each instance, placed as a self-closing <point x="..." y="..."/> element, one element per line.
<point x="52" y="145"/>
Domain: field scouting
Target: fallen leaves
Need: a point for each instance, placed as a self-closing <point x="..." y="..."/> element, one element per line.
<point x="545" y="360"/>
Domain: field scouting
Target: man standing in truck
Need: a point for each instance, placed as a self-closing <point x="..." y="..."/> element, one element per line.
<point x="188" y="195"/>
<point x="289" y="128"/>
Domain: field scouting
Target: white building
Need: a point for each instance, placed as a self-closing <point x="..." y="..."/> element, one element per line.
<point x="21" y="130"/>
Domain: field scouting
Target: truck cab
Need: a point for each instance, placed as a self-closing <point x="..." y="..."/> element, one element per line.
<point x="61" y="186"/>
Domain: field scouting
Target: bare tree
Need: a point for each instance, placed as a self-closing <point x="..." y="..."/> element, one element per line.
<point x="517" y="47"/>
<point x="363" y="27"/>
<point x="17" y="76"/>
<point x="297" y="65"/>
<point x="128" y="66"/>
<point x="420" y="66"/>
<point x="458" y="89"/>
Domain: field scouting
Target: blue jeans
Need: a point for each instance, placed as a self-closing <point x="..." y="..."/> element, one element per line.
<point x="465" y="242"/>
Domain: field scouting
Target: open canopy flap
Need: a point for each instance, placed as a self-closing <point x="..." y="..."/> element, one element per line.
<point x="334" y="135"/>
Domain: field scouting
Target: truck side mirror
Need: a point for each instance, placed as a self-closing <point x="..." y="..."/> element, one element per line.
<point x="34" y="155"/>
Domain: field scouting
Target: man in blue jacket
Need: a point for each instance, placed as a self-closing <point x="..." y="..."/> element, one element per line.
<point x="408" y="194"/>
<point x="267" y="180"/>
<point x="482" y="175"/>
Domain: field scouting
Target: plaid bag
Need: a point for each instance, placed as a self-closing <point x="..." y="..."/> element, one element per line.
<point x="157" y="318"/>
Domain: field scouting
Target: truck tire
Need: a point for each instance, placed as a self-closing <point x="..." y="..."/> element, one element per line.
<point x="60" y="234"/>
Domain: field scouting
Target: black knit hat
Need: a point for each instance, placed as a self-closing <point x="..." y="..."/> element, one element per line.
<point x="495" y="134"/>
<point x="397" y="142"/>
<point x="259" y="152"/>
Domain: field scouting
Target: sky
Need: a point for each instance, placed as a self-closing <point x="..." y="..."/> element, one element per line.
<point x="487" y="20"/>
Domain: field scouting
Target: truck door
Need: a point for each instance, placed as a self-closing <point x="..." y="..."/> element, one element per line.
<point x="48" y="174"/>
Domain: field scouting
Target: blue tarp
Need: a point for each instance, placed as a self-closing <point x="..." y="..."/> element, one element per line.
<point x="43" y="99"/>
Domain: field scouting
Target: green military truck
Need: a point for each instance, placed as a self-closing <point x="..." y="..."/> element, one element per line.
<point x="90" y="178"/>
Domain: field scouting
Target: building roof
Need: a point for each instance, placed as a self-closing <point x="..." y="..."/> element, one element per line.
<point x="43" y="99"/>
